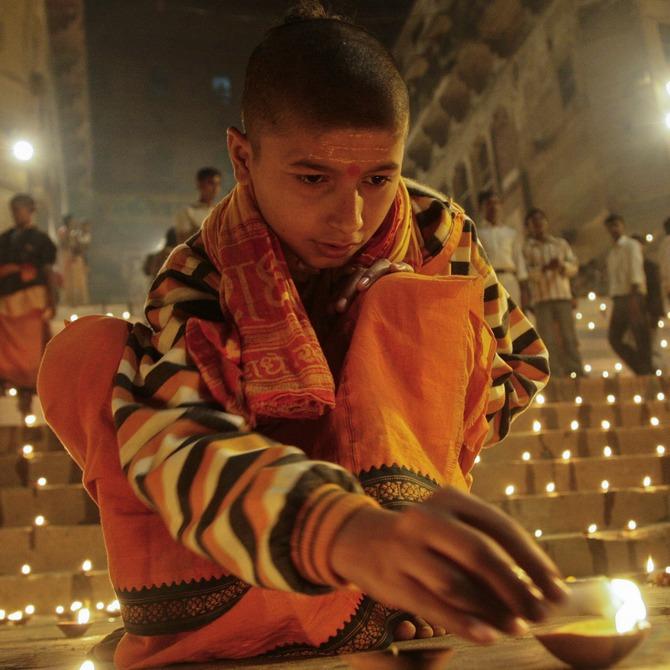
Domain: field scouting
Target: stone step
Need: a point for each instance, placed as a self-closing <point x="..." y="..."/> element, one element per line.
<point x="617" y="413"/>
<point x="572" y="474"/>
<point x="45" y="591"/>
<point x="55" y="466"/>
<point x="596" y="388"/>
<point x="51" y="548"/>
<point x="568" y="512"/>
<point x="65" y="504"/>
<point x="609" y="552"/>
<point x="582" y="443"/>
<point x="10" y="415"/>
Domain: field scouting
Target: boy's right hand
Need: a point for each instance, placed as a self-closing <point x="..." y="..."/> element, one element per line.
<point x="453" y="560"/>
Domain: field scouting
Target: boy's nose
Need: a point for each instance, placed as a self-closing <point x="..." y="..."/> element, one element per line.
<point x="348" y="214"/>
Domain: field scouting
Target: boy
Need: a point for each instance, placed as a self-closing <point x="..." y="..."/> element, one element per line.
<point x="551" y="263"/>
<point x="188" y="219"/>
<point x="287" y="425"/>
<point x="27" y="299"/>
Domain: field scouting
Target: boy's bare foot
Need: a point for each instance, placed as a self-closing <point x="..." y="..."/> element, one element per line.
<point x="417" y="628"/>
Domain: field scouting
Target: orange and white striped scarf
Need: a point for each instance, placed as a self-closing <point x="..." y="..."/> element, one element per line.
<point x="266" y="360"/>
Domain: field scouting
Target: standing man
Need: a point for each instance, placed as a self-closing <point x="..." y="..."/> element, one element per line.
<point x="551" y="263"/>
<point x="27" y="299"/>
<point x="188" y="220"/>
<point x="664" y="262"/>
<point x="504" y="247"/>
<point x="628" y="289"/>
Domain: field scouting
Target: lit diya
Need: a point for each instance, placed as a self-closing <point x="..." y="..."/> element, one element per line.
<point x="434" y="657"/>
<point x="78" y="627"/>
<point x="601" y="641"/>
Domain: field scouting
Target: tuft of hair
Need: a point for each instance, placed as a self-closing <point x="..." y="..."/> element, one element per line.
<point x="485" y="195"/>
<point x="613" y="218"/>
<point x="207" y="173"/>
<point x="318" y="69"/>
<point x="23" y="200"/>
<point x="532" y="212"/>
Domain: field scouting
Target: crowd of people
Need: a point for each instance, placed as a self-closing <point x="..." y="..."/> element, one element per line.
<point x="536" y="269"/>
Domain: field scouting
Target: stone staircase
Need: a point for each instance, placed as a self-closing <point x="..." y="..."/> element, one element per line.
<point x="557" y="469"/>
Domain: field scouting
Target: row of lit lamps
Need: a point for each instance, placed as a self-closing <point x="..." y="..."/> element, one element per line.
<point x="610" y="398"/>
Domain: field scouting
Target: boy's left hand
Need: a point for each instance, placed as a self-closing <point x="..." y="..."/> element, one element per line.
<point x="362" y="279"/>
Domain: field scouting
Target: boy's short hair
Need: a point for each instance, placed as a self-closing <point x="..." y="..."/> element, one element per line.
<point x="322" y="70"/>
<point x="613" y="218"/>
<point x="23" y="200"/>
<point x="207" y="173"/>
<point x="485" y="195"/>
<point x="666" y="226"/>
<point x="532" y="212"/>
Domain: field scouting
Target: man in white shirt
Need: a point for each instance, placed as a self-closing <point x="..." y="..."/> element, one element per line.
<point x="628" y="289"/>
<point x="664" y="263"/>
<point x="188" y="220"/>
<point x="503" y="245"/>
<point x="551" y="263"/>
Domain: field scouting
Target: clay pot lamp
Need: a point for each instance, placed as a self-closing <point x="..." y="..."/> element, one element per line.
<point x="600" y="641"/>
<point x="78" y="627"/>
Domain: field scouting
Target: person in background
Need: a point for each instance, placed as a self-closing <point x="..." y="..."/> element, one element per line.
<point x="551" y="263"/>
<point x="504" y="248"/>
<point x="628" y="289"/>
<point x="664" y="262"/>
<point x="74" y="239"/>
<point x="189" y="219"/>
<point x="654" y="302"/>
<point x="28" y="299"/>
<point x="154" y="262"/>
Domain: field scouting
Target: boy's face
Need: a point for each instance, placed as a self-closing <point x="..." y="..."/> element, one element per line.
<point x="323" y="192"/>
<point x="22" y="215"/>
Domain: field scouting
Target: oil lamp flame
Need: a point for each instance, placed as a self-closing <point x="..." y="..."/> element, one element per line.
<point x="650" y="565"/>
<point x="83" y="615"/>
<point x="631" y="610"/>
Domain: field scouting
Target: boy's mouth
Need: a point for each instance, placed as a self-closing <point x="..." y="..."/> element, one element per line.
<point x="332" y="250"/>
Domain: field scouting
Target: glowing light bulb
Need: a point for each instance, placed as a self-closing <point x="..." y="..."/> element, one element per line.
<point x="574" y="424"/>
<point x="539" y="399"/>
<point x="591" y="296"/>
<point x="30" y="419"/>
<point x="126" y="315"/>
<point x="579" y="400"/>
<point x="27" y="450"/>
<point x="26" y="569"/>
<point x="12" y="392"/>
<point x="660" y="450"/>
<point x="573" y="375"/>
<point x="607" y="452"/>
<point x="659" y="373"/>
<point x="649" y="237"/>
<point x="23" y="150"/>
<point x="29" y="610"/>
<point x="605" y="424"/>
<point x="41" y="481"/>
<point x="646" y="482"/>
<point x="538" y="533"/>
<point x="592" y="528"/>
<point x="566" y="455"/>
<point x="590" y="325"/>
<point x="661" y="323"/>
<point x="631" y="525"/>
<point x="611" y="399"/>
<point x="525" y="456"/>
<point x="654" y="421"/>
<point x="604" y="485"/>
<point x="637" y="398"/>
<point x="660" y="396"/>
<point x="87" y="565"/>
<point x="39" y="520"/>
<point x="509" y="490"/>
<point x="83" y="615"/>
<point x="578" y="316"/>
<point x="618" y="366"/>
<point x="588" y="367"/>
<point x="605" y="374"/>
<point x="603" y="307"/>
<point x="550" y="487"/>
<point x="537" y="426"/>
<point x="664" y="344"/>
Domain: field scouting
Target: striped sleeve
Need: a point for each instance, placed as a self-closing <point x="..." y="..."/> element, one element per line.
<point x="521" y="363"/>
<point x="260" y="509"/>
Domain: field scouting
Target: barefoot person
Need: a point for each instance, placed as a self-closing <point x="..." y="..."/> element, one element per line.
<point x="27" y="299"/>
<point x="282" y="461"/>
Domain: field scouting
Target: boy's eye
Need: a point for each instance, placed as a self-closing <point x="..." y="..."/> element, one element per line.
<point x="312" y="179"/>
<point x="378" y="180"/>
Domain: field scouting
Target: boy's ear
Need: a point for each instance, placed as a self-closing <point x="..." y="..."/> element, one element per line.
<point x="239" y="150"/>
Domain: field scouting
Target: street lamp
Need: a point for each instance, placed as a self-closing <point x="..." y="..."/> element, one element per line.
<point x="23" y="150"/>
